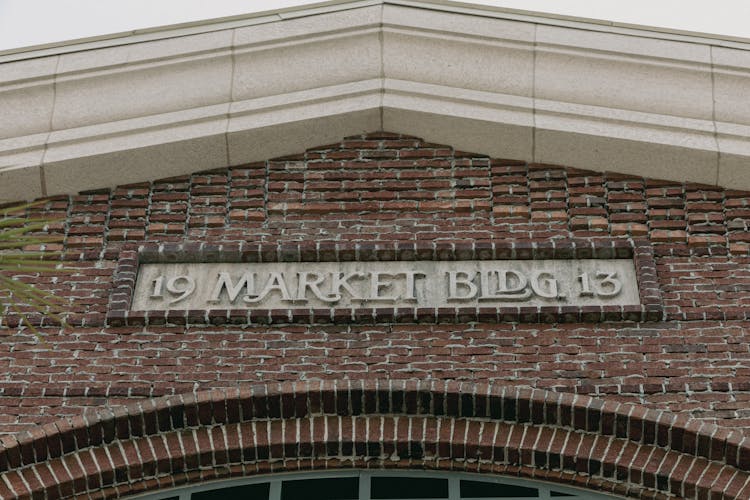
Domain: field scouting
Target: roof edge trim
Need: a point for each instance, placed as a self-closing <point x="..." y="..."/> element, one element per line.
<point x="240" y="20"/>
<point x="505" y="88"/>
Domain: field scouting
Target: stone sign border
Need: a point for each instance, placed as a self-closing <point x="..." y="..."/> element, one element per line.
<point x="650" y="308"/>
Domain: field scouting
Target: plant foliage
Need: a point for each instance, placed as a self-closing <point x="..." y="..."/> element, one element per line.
<point x="24" y="250"/>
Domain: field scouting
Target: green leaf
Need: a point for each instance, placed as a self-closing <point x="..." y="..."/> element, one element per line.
<point x="19" y="230"/>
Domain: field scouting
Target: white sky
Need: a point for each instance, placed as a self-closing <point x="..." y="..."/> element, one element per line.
<point x="31" y="22"/>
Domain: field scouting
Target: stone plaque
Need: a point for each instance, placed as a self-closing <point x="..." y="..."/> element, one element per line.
<point x="206" y="286"/>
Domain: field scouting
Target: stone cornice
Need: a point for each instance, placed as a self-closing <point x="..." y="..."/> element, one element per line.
<point x="545" y="90"/>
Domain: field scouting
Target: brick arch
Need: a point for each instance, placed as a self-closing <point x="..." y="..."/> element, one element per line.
<point x="601" y="445"/>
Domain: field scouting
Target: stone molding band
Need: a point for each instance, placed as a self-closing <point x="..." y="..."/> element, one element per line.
<point x="82" y="117"/>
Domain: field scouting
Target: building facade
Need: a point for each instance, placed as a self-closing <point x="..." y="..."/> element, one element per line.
<point x="397" y="248"/>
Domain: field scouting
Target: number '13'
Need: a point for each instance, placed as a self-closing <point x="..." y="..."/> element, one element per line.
<point x="604" y="284"/>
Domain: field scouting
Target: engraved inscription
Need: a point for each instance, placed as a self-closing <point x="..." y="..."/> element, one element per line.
<point x="385" y="284"/>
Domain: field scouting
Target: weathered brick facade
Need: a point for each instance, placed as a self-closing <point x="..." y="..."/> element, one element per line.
<point x="382" y="194"/>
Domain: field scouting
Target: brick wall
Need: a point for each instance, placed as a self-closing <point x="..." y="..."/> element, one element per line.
<point x="354" y="424"/>
<point x="380" y="189"/>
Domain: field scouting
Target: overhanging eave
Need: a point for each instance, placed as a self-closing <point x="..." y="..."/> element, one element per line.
<point x="480" y="81"/>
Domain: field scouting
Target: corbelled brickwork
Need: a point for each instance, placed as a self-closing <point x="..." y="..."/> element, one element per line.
<point x="388" y="191"/>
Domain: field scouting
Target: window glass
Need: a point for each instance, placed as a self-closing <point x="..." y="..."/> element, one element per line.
<point x="482" y="489"/>
<point x="408" y="487"/>
<point x="244" y="492"/>
<point x="374" y="485"/>
<point x="335" y="488"/>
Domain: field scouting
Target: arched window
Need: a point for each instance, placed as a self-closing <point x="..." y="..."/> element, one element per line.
<point x="376" y="485"/>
